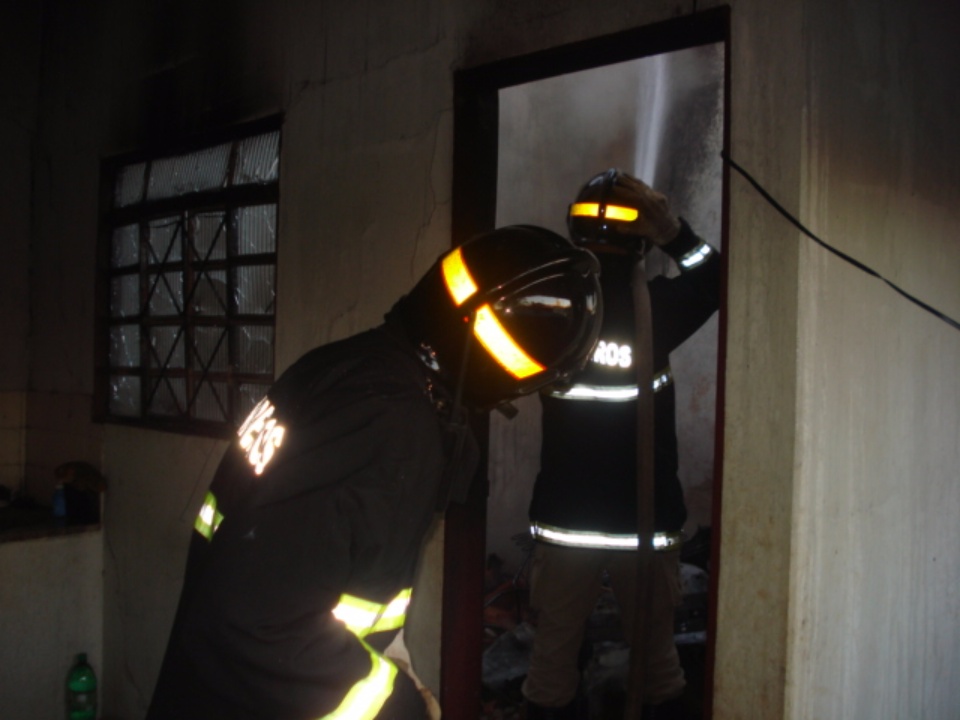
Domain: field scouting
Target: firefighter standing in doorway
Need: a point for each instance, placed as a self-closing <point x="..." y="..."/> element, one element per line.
<point x="583" y="511"/>
<point x="300" y="568"/>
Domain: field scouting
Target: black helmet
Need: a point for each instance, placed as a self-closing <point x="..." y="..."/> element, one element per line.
<point x="607" y="211"/>
<point x="505" y="313"/>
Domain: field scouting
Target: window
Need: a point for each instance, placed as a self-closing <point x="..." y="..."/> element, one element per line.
<point x="188" y="284"/>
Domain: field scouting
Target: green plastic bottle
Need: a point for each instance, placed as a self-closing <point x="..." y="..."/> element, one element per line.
<point x="81" y="690"/>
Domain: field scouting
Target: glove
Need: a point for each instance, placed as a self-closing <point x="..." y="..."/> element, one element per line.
<point x="656" y="222"/>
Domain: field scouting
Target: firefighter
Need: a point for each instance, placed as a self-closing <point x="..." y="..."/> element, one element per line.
<point x="583" y="509"/>
<point x="300" y="568"/>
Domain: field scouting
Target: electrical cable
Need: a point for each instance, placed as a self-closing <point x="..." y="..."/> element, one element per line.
<point x="842" y="255"/>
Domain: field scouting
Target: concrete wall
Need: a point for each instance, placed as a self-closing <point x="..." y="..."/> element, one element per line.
<point x="839" y="566"/>
<point x="157" y="483"/>
<point x="839" y="563"/>
<point x="875" y="607"/>
<point x="52" y="609"/>
<point x="18" y="122"/>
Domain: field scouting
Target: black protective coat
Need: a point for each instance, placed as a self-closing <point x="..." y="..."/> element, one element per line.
<point x="341" y="508"/>
<point x="587" y="478"/>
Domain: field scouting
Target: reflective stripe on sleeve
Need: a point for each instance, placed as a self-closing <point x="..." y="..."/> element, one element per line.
<point x="209" y="518"/>
<point x="696" y="257"/>
<point x="363" y="617"/>
<point x="600" y="540"/>
<point x="367" y="696"/>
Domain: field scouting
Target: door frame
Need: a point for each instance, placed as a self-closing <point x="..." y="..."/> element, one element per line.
<point x="475" y="151"/>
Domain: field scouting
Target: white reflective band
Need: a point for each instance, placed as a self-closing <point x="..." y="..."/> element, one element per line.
<point x="599" y="540"/>
<point x="368" y="696"/>
<point x="606" y="393"/>
<point x="666" y="541"/>
<point x="609" y="393"/>
<point x="696" y="256"/>
<point x="582" y="538"/>
<point x="662" y="379"/>
<point x="209" y="518"/>
<point x="363" y="617"/>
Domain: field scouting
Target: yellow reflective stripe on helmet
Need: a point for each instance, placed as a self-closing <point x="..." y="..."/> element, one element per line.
<point x="504" y="349"/>
<point x="611" y="212"/>
<point x="209" y="518"/>
<point x="457" y="277"/>
<point x="616" y="212"/>
<point x="363" y="617"/>
<point x="585" y="209"/>
<point x="367" y="696"/>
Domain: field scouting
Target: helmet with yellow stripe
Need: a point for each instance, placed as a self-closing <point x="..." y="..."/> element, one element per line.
<point x="505" y="313"/>
<point x="610" y="210"/>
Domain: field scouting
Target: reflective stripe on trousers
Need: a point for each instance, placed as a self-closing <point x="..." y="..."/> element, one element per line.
<point x="601" y="540"/>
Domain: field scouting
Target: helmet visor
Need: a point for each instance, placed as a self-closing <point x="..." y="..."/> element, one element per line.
<point x="532" y="337"/>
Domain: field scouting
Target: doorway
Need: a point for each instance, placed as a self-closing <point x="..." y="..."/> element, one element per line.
<point x="530" y="132"/>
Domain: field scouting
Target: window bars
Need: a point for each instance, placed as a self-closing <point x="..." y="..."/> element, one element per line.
<point x="190" y="285"/>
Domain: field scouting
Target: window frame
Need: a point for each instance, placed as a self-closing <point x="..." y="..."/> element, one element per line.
<point x="191" y="268"/>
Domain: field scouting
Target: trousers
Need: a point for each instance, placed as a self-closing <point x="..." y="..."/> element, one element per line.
<point x="565" y="585"/>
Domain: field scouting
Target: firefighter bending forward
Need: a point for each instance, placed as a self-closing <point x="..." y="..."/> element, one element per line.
<point x="300" y="568"/>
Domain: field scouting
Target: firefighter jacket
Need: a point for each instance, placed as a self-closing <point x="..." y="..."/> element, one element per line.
<point x="303" y="555"/>
<point x="585" y="492"/>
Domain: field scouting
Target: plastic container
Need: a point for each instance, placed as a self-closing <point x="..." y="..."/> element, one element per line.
<point x="81" y="690"/>
<point x="59" y="505"/>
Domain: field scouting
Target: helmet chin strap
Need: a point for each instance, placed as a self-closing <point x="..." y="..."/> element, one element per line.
<point x="505" y="408"/>
<point x="456" y="430"/>
<point x="464" y="359"/>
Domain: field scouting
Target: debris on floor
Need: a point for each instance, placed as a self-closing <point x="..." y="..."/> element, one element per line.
<point x="606" y="660"/>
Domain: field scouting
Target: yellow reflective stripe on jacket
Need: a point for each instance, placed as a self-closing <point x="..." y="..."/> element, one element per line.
<point x="367" y="696"/>
<point x="363" y="617"/>
<point x="209" y="518"/>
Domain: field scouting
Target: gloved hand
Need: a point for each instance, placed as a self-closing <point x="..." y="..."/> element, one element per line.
<point x="656" y="222"/>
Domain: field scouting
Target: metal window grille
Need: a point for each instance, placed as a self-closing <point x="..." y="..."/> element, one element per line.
<point x="189" y="285"/>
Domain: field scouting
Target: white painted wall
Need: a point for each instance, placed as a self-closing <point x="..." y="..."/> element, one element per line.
<point x="841" y="400"/>
<point x="839" y="563"/>
<point x="875" y="597"/>
<point x="157" y="483"/>
<point x="51" y="609"/>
